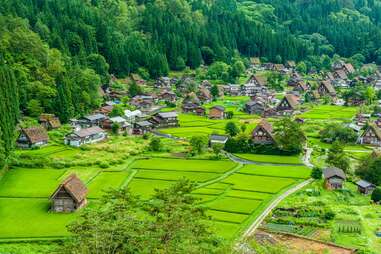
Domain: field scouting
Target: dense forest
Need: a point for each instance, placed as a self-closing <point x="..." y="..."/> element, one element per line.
<point x="55" y="54"/>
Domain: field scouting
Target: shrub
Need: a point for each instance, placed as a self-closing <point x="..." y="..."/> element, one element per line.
<point x="316" y="173"/>
<point x="104" y="164"/>
<point x="376" y="195"/>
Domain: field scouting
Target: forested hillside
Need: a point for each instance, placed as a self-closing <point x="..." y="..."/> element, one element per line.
<point x="60" y="52"/>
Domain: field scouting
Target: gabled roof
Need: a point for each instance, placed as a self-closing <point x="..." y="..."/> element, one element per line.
<point x="95" y="117"/>
<point x="375" y="130"/>
<point x="220" y="108"/>
<point x="144" y="124"/>
<point x="364" y="184"/>
<point x="262" y="81"/>
<point x="36" y="134"/>
<point x="328" y="86"/>
<point x="220" y="138"/>
<point x="292" y="100"/>
<point x="264" y="124"/>
<point x="82" y="133"/>
<point x="341" y="74"/>
<point x="74" y="187"/>
<point x="349" y="67"/>
<point x="167" y="114"/>
<point x="117" y="119"/>
<point x="332" y="172"/>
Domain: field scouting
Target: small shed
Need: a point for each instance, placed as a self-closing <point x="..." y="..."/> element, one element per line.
<point x="217" y="139"/>
<point x="217" y="112"/>
<point x="69" y="196"/>
<point x="365" y="187"/>
<point x="334" y="178"/>
<point x="49" y="121"/>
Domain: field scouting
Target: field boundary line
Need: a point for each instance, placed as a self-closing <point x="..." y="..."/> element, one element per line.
<point x="222" y="177"/>
<point x="272" y="205"/>
<point x="238" y="159"/>
<point x="129" y="179"/>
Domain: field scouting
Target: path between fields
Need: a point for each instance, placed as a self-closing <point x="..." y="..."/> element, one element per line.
<point x="237" y="159"/>
<point x="273" y="204"/>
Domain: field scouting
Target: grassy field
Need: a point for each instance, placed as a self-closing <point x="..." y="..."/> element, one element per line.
<point x="330" y="112"/>
<point x="275" y="159"/>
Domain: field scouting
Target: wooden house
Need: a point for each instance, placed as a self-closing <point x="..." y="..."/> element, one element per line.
<point x="290" y="64"/>
<point x="371" y="136"/>
<point x="49" y="121"/>
<point x="204" y="95"/>
<point x="257" y="80"/>
<point x="69" y="196"/>
<point x="92" y="120"/>
<point x="232" y="89"/>
<point x="167" y="96"/>
<point x="365" y="187"/>
<point x="142" y="101"/>
<point x="165" y="120"/>
<point x="32" y="137"/>
<point x="163" y="82"/>
<point x="85" y="136"/>
<point x="326" y="88"/>
<point x="279" y="67"/>
<point x="288" y="104"/>
<point x="334" y="178"/>
<point x="105" y="110"/>
<point x="194" y="108"/>
<point x="348" y="68"/>
<point x="301" y="86"/>
<point x="263" y="133"/>
<point x="340" y="75"/>
<point x="142" y="127"/>
<point x="124" y="126"/>
<point x="217" y="112"/>
<point x="257" y="106"/>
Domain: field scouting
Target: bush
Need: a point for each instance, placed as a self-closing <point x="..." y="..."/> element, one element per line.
<point x="376" y="195"/>
<point x="316" y="173"/>
<point x="104" y="164"/>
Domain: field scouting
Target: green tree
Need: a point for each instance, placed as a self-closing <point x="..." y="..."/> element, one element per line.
<point x="370" y="169"/>
<point x="117" y="110"/>
<point x="34" y="108"/>
<point x="198" y="144"/>
<point x="376" y="195"/>
<point x="316" y="173"/>
<point x="134" y="89"/>
<point x="289" y="136"/>
<point x="217" y="149"/>
<point x="168" y="222"/>
<point x="231" y="129"/>
<point x="337" y="157"/>
<point x="214" y="91"/>
<point x="155" y="144"/>
<point x="115" y="128"/>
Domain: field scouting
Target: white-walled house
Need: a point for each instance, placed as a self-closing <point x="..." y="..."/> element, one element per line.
<point x="85" y="136"/>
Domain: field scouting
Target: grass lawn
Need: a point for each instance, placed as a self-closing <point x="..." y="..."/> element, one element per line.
<point x="330" y="112"/>
<point x="27" y="217"/>
<point x="258" y="183"/>
<point x="104" y="181"/>
<point x="21" y="182"/>
<point x="276" y="159"/>
<point x="281" y="171"/>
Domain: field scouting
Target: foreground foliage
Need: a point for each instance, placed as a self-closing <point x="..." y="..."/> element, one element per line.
<point x="169" y="222"/>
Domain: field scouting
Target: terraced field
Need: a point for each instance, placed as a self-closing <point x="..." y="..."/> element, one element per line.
<point x="233" y="193"/>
